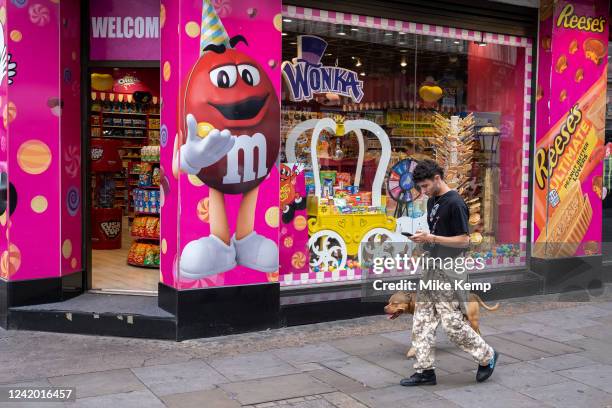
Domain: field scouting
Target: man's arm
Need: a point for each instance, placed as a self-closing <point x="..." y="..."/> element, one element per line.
<point x="457" y="241"/>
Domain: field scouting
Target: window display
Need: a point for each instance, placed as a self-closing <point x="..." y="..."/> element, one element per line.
<point x="363" y="103"/>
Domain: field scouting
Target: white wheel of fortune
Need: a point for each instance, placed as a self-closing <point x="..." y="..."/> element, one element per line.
<point x="327" y="249"/>
<point x="377" y="243"/>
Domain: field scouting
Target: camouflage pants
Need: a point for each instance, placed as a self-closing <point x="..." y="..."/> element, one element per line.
<point x="431" y="307"/>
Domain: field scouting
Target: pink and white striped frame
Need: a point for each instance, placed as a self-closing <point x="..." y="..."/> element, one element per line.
<point x="304" y="13"/>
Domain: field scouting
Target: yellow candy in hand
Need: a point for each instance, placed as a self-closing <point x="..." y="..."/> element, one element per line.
<point x="204" y="129"/>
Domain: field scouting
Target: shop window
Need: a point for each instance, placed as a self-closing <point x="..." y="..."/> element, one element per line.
<point x="401" y="88"/>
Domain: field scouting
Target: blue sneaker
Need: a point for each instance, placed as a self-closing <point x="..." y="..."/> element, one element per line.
<point x="484" y="372"/>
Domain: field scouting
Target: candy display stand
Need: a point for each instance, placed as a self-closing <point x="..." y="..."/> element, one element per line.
<point x="336" y="236"/>
<point x="106" y="218"/>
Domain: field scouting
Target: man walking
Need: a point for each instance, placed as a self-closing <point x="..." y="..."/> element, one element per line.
<point x="447" y="216"/>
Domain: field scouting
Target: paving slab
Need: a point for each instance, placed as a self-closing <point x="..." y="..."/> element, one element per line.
<point x="542" y="330"/>
<point x="506" y="359"/>
<point x="488" y="394"/>
<point x="313" y="403"/>
<point x="539" y="343"/>
<point x="596" y="375"/>
<point x="562" y="362"/>
<point x="338" y="381"/>
<point x="144" y="398"/>
<point x="524" y="375"/>
<point x="275" y="388"/>
<point x="594" y="349"/>
<point x="456" y="380"/>
<point x="599" y="331"/>
<point x="515" y="350"/>
<point x="452" y="363"/>
<point x="392" y="361"/>
<point x="570" y="394"/>
<point x="168" y="379"/>
<point x="403" y="337"/>
<point x="197" y="399"/>
<point x="364" y="372"/>
<point x="561" y="318"/>
<point x="100" y="383"/>
<point x="341" y="400"/>
<point x="252" y="365"/>
<point x="312" y="353"/>
<point x="395" y="396"/>
<point x="358" y="346"/>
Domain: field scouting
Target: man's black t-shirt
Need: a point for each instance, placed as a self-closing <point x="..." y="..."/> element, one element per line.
<point x="447" y="216"/>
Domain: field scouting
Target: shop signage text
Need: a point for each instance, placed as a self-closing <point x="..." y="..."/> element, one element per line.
<point x="550" y="157"/>
<point x="567" y="19"/>
<point x="305" y="79"/>
<point x="124" y="30"/>
<point x="125" y="27"/>
<point x="306" y="75"/>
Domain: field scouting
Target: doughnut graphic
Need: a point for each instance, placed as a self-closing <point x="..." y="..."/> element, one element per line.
<point x="39" y="204"/>
<point x="67" y="248"/>
<point x="39" y="14"/>
<point x="73" y="263"/>
<point x="16" y="35"/>
<point x="162" y="16"/>
<point x="288" y="242"/>
<point x="167" y="71"/>
<point x="272" y="63"/>
<point x="10" y="261"/>
<point x="73" y="201"/>
<point x="9" y="113"/>
<point x="272" y="217"/>
<point x="34" y="156"/>
<point x="278" y="22"/>
<point x="192" y="29"/>
<point x="300" y="223"/>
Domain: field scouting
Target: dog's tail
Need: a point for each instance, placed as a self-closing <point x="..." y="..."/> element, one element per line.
<point x="483" y="304"/>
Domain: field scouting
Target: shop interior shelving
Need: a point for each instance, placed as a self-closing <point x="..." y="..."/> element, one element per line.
<point x="134" y="124"/>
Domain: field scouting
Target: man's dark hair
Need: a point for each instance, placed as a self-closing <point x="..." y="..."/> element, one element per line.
<point x="427" y="169"/>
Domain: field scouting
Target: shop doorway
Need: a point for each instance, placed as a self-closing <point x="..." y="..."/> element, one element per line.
<point x="121" y="127"/>
<point x="124" y="124"/>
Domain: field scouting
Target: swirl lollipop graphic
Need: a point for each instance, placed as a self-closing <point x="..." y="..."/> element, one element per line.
<point x="39" y="14"/>
<point x="73" y="201"/>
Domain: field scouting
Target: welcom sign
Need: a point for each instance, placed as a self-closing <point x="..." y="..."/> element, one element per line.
<point x="124" y="30"/>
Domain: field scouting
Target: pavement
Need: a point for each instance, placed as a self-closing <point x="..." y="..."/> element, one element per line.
<point x="553" y="354"/>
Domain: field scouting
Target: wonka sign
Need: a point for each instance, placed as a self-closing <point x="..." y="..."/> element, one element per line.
<point x="306" y="76"/>
<point x="124" y="30"/>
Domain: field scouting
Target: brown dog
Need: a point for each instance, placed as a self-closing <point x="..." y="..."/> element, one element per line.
<point x="403" y="302"/>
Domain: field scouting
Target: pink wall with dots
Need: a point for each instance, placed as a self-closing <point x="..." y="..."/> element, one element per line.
<point x="42" y="146"/>
<point x="260" y="23"/>
<point x="4" y="176"/>
<point x="34" y="131"/>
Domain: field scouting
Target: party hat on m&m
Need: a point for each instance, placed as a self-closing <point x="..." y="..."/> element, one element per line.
<point x="212" y="30"/>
